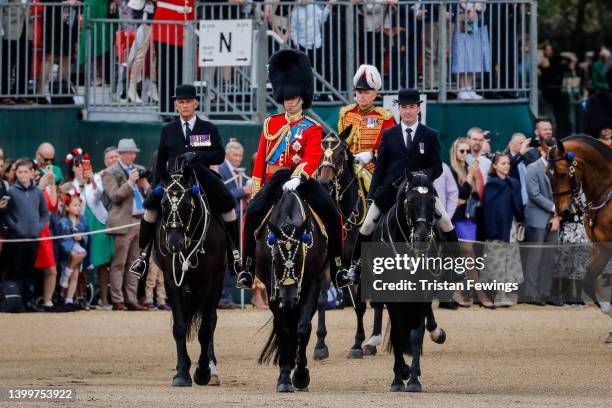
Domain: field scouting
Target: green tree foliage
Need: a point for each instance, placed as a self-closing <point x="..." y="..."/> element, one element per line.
<point x="575" y="25"/>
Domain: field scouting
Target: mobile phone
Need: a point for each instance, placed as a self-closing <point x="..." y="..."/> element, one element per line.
<point x="86" y="165"/>
<point x="469" y="159"/>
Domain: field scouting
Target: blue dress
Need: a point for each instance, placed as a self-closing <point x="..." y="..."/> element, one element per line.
<point x="471" y="49"/>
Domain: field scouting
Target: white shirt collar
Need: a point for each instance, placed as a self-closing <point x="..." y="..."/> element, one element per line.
<point x="414" y="127"/>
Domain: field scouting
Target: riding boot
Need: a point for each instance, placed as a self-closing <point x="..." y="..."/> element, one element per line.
<point x="145" y="241"/>
<point x="233" y="255"/>
<point x="353" y="275"/>
<point x="451" y="236"/>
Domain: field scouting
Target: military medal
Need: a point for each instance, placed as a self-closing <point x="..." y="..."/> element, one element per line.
<point x="422" y="147"/>
<point x="372" y="122"/>
<point x="199" y="140"/>
<point x="296" y="145"/>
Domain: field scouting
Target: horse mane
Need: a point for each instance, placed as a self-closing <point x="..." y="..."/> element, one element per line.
<point x="350" y="161"/>
<point x="599" y="147"/>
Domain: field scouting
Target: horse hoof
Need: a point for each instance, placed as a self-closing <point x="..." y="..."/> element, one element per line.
<point x="320" y="353"/>
<point x="355" y="353"/>
<point x="202" y="377"/>
<point x="301" y="379"/>
<point x="609" y="338"/>
<point x="369" y="350"/>
<point x="397" y="387"/>
<point x="285" y="388"/>
<point x="214" y="381"/>
<point x="181" y="381"/>
<point x="414" y="386"/>
<point x="438" y="335"/>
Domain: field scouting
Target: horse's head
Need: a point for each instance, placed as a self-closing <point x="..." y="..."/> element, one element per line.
<point x="562" y="168"/>
<point x="177" y="207"/>
<point x="336" y="156"/>
<point x="288" y="239"/>
<point x="419" y="207"/>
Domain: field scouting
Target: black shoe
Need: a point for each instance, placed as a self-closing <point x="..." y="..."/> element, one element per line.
<point x="32" y="307"/>
<point x="139" y="266"/>
<point x="244" y="280"/>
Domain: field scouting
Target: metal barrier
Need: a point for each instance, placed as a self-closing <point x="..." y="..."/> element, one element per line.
<point x="40" y="53"/>
<point x="449" y="49"/>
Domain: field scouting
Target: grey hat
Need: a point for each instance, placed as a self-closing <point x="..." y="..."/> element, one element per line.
<point x="127" y="145"/>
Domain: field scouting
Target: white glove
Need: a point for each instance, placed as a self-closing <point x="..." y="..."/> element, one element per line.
<point x="364" y="157"/>
<point x="292" y="184"/>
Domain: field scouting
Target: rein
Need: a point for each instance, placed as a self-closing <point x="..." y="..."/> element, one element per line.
<point x="174" y="220"/>
<point x="287" y="247"/>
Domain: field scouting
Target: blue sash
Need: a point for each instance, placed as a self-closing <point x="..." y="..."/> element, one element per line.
<point x="296" y="130"/>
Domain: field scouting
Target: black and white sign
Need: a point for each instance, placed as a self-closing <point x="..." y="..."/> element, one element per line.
<point x="225" y="43"/>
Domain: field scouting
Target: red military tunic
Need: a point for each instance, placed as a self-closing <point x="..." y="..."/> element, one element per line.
<point x="172" y="10"/>
<point x="293" y="143"/>
<point x="367" y="128"/>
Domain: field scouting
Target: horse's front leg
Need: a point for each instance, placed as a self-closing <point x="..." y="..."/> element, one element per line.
<point x="301" y="375"/>
<point x="285" y="339"/>
<point x="416" y="344"/>
<point x="179" y="331"/>
<point x="214" y="376"/>
<point x="376" y="338"/>
<point x="436" y="333"/>
<point x="321" y="352"/>
<point x="401" y="371"/>
<point x="203" y="371"/>
<point x="360" y="309"/>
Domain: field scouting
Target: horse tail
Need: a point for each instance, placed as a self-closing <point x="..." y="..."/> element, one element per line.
<point x="387" y="338"/>
<point x="270" y="350"/>
<point x="193" y="315"/>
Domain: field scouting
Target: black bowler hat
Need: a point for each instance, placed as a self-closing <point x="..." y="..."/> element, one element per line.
<point x="185" y="91"/>
<point x="408" y="97"/>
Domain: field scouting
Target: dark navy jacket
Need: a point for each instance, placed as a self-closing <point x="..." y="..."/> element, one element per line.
<point x="501" y="204"/>
<point x="395" y="161"/>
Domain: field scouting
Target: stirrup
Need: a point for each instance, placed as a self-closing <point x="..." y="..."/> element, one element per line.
<point x="350" y="277"/>
<point x="244" y="280"/>
<point x="139" y="266"/>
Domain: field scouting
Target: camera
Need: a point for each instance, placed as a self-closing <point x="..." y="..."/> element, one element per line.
<point x="144" y="173"/>
<point x="534" y="143"/>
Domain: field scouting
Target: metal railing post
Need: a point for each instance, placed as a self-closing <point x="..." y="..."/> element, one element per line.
<point x="350" y="51"/>
<point x="261" y="71"/>
<point x="87" y="73"/>
<point x="188" y="52"/>
<point x="533" y="56"/>
<point x="442" y="44"/>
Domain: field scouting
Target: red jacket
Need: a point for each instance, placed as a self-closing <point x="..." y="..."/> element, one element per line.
<point x="175" y="10"/>
<point x="295" y="145"/>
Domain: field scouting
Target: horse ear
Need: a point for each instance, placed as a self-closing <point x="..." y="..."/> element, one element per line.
<point x="345" y="133"/>
<point x="561" y="148"/>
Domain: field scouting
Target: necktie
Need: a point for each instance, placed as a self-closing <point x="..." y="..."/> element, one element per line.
<point x="187" y="133"/>
<point x="408" y="138"/>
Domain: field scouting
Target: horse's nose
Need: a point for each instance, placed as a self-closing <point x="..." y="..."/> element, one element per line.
<point x="176" y="246"/>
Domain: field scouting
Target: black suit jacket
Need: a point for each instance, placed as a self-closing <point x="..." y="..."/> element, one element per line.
<point x="395" y="161"/>
<point x="173" y="144"/>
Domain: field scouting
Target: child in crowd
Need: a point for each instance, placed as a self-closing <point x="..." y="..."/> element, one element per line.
<point x="73" y="250"/>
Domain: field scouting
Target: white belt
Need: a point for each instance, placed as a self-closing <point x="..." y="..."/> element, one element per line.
<point x="174" y="7"/>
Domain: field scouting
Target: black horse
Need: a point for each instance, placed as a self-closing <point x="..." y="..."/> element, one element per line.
<point x="291" y="260"/>
<point x="411" y="220"/>
<point x="337" y="172"/>
<point x="190" y="248"/>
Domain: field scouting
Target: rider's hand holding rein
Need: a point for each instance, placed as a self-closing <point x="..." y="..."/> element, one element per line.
<point x="292" y="184"/>
<point x="364" y="157"/>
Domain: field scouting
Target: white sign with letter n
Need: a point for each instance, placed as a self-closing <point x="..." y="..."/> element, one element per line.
<point x="225" y="43"/>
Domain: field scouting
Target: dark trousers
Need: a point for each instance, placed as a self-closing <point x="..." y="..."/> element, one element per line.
<point x="14" y="57"/>
<point x="312" y="192"/>
<point x="538" y="264"/>
<point x="170" y="74"/>
<point x="21" y="266"/>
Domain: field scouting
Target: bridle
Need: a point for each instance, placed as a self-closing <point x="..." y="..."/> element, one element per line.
<point x="175" y="193"/>
<point x="287" y="247"/>
<point x="330" y="144"/>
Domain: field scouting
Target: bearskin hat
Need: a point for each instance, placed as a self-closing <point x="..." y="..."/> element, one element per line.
<point x="598" y="113"/>
<point x="290" y="73"/>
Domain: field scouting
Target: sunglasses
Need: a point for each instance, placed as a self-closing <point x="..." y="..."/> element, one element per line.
<point x="462" y="151"/>
<point x="47" y="160"/>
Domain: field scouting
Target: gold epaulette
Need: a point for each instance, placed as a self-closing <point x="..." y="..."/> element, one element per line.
<point x="314" y="122"/>
<point x="275" y="136"/>
<point x="343" y="112"/>
<point x="385" y="113"/>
